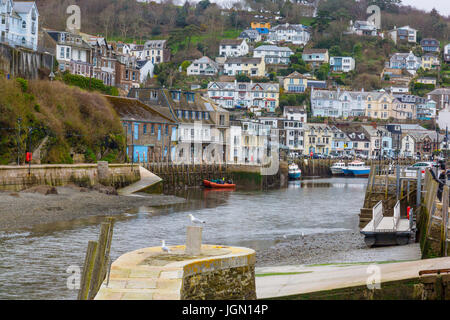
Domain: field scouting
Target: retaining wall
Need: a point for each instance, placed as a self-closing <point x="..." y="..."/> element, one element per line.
<point x="16" y="178"/>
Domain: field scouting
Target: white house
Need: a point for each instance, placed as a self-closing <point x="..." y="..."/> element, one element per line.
<point x="447" y="53"/>
<point x="19" y="23"/>
<point x="156" y="51"/>
<point x="342" y="64"/>
<point x="403" y="34"/>
<point x="145" y="68"/>
<point x="244" y="94"/>
<point x="406" y="61"/>
<point x="362" y="28"/>
<point x="273" y="54"/>
<point x="295" y="33"/>
<point x="296" y="113"/>
<point x="203" y="66"/>
<point x="233" y="48"/>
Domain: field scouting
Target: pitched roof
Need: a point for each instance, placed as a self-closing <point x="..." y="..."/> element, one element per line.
<point x="23" y="6"/>
<point x="231" y="42"/>
<point x="243" y="60"/>
<point x="312" y="50"/>
<point x="295" y="75"/>
<point x="273" y="48"/>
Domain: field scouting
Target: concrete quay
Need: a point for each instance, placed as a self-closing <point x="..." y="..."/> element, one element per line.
<point x="219" y="272"/>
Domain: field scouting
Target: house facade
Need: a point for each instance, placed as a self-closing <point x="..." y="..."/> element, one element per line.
<point x="379" y="105"/>
<point x="127" y="73"/>
<point x="328" y="103"/>
<point x="447" y="53"/>
<point x="430" y="45"/>
<point x="156" y="51"/>
<point x="406" y="61"/>
<point x="362" y="28"/>
<point x="250" y="35"/>
<point x="261" y="27"/>
<point x="441" y="96"/>
<point x="295" y="83"/>
<point x="342" y="64"/>
<point x="203" y="66"/>
<point x="315" y="57"/>
<point x="297" y="34"/>
<point x="247" y="95"/>
<point x="296" y="113"/>
<point x="404" y="34"/>
<point x="430" y="61"/>
<point x="233" y="48"/>
<point x="317" y="138"/>
<point x="19" y="23"/>
<point x="252" y="67"/>
<point x="273" y="54"/>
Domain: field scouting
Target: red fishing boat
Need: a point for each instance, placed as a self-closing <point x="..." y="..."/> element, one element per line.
<point x="210" y="184"/>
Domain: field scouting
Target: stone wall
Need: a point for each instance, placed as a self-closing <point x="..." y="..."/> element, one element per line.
<point x="221" y="279"/>
<point x="16" y="178"/>
<point x="25" y="63"/>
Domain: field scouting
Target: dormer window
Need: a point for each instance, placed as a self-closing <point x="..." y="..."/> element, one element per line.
<point x="24" y="24"/>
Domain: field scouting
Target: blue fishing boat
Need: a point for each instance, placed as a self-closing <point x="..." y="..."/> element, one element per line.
<point x="357" y="169"/>
<point x="294" y="172"/>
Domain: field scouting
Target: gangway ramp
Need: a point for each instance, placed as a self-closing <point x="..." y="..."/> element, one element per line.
<point x="148" y="179"/>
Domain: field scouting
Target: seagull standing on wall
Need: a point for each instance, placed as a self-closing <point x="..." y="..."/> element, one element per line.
<point x="195" y="220"/>
<point x="164" y="247"/>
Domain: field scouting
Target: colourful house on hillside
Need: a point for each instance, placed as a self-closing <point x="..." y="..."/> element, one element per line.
<point x="261" y="27"/>
<point x="295" y="82"/>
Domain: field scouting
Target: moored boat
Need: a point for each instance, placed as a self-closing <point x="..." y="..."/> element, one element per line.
<point x="357" y="169"/>
<point x="294" y="172"/>
<point x="338" y="168"/>
<point x="212" y="184"/>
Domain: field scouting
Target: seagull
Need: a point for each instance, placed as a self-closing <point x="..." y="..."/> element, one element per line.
<point x="195" y="220"/>
<point x="285" y="236"/>
<point x="303" y="235"/>
<point x="164" y="248"/>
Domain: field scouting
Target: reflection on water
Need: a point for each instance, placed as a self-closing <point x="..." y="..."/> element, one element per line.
<point x="33" y="266"/>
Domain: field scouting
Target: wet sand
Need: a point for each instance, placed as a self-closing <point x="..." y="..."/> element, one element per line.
<point x="23" y="211"/>
<point x="326" y="248"/>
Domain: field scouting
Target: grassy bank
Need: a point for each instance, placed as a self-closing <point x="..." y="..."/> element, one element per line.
<point x="75" y="122"/>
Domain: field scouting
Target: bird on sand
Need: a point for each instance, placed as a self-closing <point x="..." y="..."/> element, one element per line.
<point x="164" y="247"/>
<point x="195" y="220"/>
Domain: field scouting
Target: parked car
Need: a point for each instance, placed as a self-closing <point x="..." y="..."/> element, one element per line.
<point x="412" y="170"/>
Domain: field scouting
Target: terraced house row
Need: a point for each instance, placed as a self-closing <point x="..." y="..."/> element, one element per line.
<point x="374" y="104"/>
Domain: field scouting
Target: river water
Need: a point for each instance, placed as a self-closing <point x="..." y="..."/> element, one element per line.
<point x="34" y="265"/>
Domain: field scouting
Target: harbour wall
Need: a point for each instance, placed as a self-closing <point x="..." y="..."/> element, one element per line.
<point x="16" y="178"/>
<point x="427" y="287"/>
<point x="433" y="220"/>
<point x="250" y="177"/>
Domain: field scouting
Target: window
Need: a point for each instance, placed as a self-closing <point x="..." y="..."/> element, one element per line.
<point x="167" y="130"/>
<point x="145" y="129"/>
<point x="24" y="24"/>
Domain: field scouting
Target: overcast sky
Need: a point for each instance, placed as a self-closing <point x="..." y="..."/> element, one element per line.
<point x="442" y="6"/>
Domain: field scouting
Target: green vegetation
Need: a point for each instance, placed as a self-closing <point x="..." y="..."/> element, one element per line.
<point x="421" y="89"/>
<point x="88" y="83"/>
<point x="74" y="120"/>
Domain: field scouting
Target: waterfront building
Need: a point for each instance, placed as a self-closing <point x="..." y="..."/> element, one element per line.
<point x="19" y="23"/>
<point x="295" y="83"/>
<point x="273" y="54"/>
<point x="317" y="138"/>
<point x="157" y="51"/>
<point x="247" y="95"/>
<point x="252" y="67"/>
<point x="292" y="135"/>
<point x="72" y="52"/>
<point x="315" y="57"/>
<point x="297" y="34"/>
<point x="254" y="141"/>
<point x="203" y="66"/>
<point x="403" y="34"/>
<point x="380" y="141"/>
<point x="342" y="64"/>
<point x="149" y="133"/>
<point x="379" y="105"/>
<point x="340" y="142"/>
<point x="421" y="143"/>
<point x="233" y="48"/>
<point x="202" y="124"/>
<point x="359" y="142"/>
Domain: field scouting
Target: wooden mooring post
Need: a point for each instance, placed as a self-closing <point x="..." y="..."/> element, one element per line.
<point x="96" y="262"/>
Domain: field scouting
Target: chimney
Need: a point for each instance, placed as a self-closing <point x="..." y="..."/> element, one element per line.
<point x="374" y="125"/>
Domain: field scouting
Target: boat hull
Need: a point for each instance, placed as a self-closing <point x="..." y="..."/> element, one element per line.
<point x="337" y="171"/>
<point x="294" y="175"/>
<point x="360" y="173"/>
<point x="209" y="184"/>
